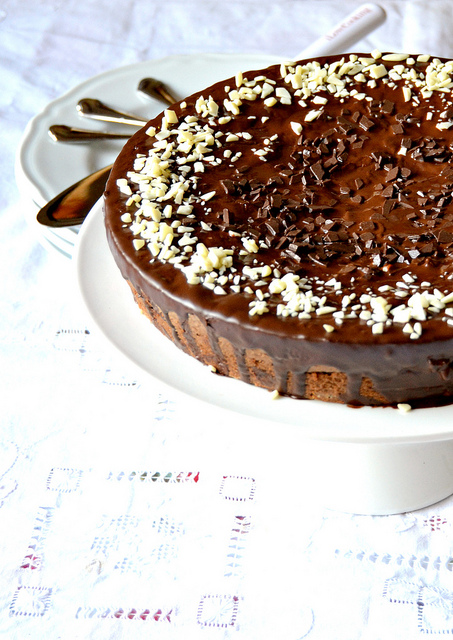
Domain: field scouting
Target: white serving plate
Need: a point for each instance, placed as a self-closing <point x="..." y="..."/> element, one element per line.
<point x="44" y="167"/>
<point x="367" y="460"/>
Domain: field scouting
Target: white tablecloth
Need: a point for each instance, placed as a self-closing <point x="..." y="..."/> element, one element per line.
<point x="128" y="511"/>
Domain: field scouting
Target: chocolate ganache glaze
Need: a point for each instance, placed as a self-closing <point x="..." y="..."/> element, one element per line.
<point x="293" y="227"/>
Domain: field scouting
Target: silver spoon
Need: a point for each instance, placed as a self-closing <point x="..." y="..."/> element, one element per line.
<point x="63" y="133"/>
<point x="97" y="110"/>
<point x="71" y="206"/>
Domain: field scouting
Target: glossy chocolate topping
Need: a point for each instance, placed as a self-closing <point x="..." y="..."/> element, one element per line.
<point x="305" y="210"/>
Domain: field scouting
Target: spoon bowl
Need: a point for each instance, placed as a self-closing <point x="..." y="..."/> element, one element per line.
<point x="156" y="89"/>
<point x="71" y="206"/>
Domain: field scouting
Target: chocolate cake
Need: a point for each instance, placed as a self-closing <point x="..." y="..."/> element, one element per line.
<point x="293" y="227"/>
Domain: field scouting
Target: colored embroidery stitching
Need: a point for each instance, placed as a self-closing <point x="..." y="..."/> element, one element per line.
<point x="115" y="379"/>
<point x="238" y="539"/>
<point x="412" y="561"/>
<point x="435" y="523"/>
<point x="178" y="477"/>
<point x="237" y="488"/>
<point x="33" y="557"/>
<point x="401" y="592"/>
<point x="133" y="545"/>
<point x="73" y="340"/>
<point x="218" y="611"/>
<point x="434" y="607"/>
<point x="30" y="601"/>
<point x="163" y="615"/>
<point x="64" y="480"/>
<point x="165" y="407"/>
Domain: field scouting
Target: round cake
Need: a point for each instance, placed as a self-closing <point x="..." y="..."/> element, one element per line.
<point x="292" y="227"/>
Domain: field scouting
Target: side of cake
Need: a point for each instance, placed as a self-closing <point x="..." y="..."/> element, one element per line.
<point x="293" y="227"/>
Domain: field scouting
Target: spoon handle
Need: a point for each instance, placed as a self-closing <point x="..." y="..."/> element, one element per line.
<point x="357" y="25"/>
<point x="156" y="89"/>
<point x="63" y="133"/>
<point x="97" y="110"/>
